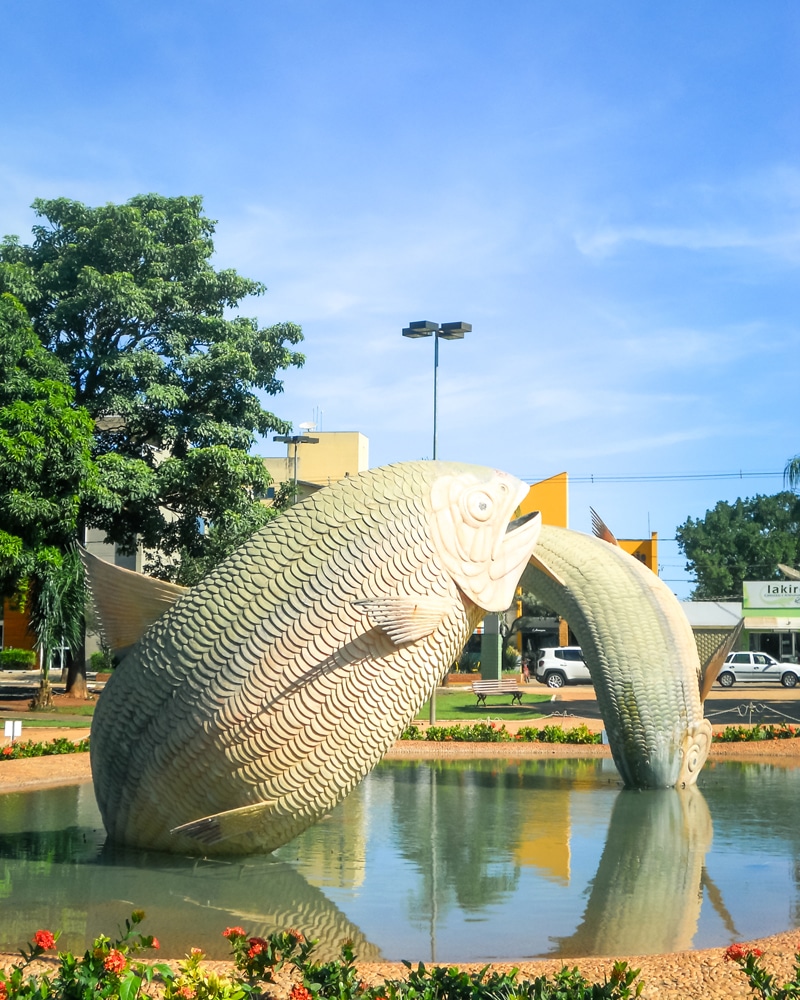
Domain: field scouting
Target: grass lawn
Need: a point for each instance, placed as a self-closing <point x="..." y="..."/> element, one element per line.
<point x="461" y="706"/>
<point x="61" y="718"/>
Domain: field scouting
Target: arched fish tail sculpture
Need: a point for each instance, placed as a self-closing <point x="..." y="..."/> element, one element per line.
<point x="267" y="692"/>
<point x="640" y="651"/>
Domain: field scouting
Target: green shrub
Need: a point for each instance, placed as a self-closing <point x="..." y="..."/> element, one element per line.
<point x="753" y="734"/>
<point x="103" y="661"/>
<point x="19" y="750"/>
<point x="762" y="983"/>
<point x="109" y="971"/>
<point x="491" y="732"/>
<point x="17" y="659"/>
<point x="469" y="663"/>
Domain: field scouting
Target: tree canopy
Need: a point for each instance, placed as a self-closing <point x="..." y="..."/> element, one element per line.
<point x="126" y="298"/>
<point x="744" y="540"/>
<point x="45" y="453"/>
<point x="45" y="469"/>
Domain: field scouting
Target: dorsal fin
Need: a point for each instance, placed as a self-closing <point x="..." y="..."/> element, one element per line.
<point x="710" y="670"/>
<point x="793" y="574"/>
<point x="126" y="603"/>
<point x="600" y="529"/>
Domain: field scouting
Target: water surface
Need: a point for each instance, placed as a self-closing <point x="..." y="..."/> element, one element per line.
<point x="441" y="860"/>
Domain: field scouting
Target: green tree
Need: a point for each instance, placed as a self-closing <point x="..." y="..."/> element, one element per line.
<point x="744" y="540"/>
<point x="126" y="297"/>
<point x="45" y="467"/>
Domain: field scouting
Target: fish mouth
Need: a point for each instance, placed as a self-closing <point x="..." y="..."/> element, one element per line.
<point x="512" y="551"/>
<point x="520" y="538"/>
<point x="520" y="522"/>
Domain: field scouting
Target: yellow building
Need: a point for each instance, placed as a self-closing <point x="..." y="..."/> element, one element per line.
<point x="328" y="457"/>
<point x="551" y="498"/>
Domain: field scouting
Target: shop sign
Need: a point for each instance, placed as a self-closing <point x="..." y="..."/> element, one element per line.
<point x="772" y="595"/>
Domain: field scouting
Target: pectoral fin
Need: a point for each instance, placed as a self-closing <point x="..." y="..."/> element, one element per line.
<point x="406" y="619"/>
<point x="222" y="826"/>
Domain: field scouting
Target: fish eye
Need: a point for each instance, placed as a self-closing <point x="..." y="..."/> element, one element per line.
<point x="479" y="505"/>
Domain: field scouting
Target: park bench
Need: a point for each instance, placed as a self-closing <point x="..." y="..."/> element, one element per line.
<point x="506" y="686"/>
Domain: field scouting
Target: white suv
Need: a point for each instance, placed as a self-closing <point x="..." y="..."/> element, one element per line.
<point x="757" y="667"/>
<point x="564" y="665"/>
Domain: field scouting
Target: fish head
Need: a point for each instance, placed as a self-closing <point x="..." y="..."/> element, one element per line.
<point x="482" y="547"/>
<point x="695" y="744"/>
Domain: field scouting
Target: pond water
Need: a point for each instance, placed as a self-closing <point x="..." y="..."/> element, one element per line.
<point x="441" y="861"/>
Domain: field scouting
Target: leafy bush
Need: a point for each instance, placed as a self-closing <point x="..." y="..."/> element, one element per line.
<point x="491" y="732"/>
<point x="556" y="734"/>
<point x="17" y="750"/>
<point x="469" y="662"/>
<point x="752" y="734"/>
<point x="103" y="661"/>
<point x="763" y="983"/>
<point x="440" y="983"/>
<point x="108" y="971"/>
<point x="17" y="659"/>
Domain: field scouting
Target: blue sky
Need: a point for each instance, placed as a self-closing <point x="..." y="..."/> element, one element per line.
<point x="608" y="191"/>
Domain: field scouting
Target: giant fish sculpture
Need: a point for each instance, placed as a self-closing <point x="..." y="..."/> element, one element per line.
<point x="640" y="651"/>
<point x="263" y="695"/>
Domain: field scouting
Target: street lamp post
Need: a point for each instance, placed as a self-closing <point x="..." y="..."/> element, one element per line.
<point x="447" y="331"/>
<point x="295" y="440"/>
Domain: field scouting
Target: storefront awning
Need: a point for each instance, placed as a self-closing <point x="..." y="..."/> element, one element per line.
<point x="769" y="624"/>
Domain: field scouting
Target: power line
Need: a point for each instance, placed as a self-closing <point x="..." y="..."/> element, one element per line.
<point x="669" y="478"/>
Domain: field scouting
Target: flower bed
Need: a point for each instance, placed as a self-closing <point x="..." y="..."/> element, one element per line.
<point x="27" y="748"/>
<point x="492" y="732"/>
<point x="113" y="970"/>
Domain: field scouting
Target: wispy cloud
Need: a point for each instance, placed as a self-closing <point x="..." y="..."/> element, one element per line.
<point x="757" y="212"/>
<point x="604" y="242"/>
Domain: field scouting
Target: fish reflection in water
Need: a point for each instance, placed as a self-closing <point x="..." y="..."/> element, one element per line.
<point x="67" y="878"/>
<point x="647" y="893"/>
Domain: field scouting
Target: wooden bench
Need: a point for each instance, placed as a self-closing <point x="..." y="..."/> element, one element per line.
<point x="506" y="686"/>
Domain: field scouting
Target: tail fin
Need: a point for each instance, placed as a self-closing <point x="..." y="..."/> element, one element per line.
<point x="126" y="603"/>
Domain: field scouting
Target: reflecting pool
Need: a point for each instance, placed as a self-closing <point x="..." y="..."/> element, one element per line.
<point x="440" y="861"/>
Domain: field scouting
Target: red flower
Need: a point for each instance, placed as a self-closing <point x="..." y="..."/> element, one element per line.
<point x="156" y="943"/>
<point x="257" y="945"/>
<point x="230" y="932"/>
<point x="3" y="991"/>
<point x="299" y="992"/>
<point x="738" y="953"/>
<point x="7" y="751"/>
<point x="299" y="938"/>
<point x="44" y="940"/>
<point x="114" y="962"/>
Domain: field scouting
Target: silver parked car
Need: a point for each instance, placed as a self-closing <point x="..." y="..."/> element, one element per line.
<point x="757" y="668"/>
<point x="563" y="665"/>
